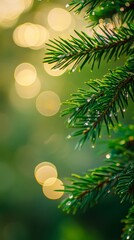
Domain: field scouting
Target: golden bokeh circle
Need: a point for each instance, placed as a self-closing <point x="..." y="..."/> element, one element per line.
<point x="45" y="172"/>
<point x="50" y="186"/>
<point x="48" y="103"/>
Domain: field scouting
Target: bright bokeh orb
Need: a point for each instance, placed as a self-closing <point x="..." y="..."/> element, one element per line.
<point x="29" y="91"/>
<point x="30" y="35"/>
<point x="48" y="103"/>
<point x="50" y="186"/>
<point x="59" y="19"/>
<point x="53" y="72"/>
<point x="10" y="10"/>
<point x="45" y="172"/>
<point x="25" y="74"/>
<point x="42" y="164"/>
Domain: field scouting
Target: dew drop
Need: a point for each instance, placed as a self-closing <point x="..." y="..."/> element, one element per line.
<point x="73" y="70"/>
<point x="128" y="237"/>
<point x="89" y="99"/>
<point x="67" y="5"/>
<point x="117" y="164"/>
<point x="68" y="203"/>
<point x="108" y="156"/>
<point x="124" y="110"/>
<point x="69" y="136"/>
<point x="93" y="146"/>
<point x="71" y="196"/>
<point x="69" y="120"/>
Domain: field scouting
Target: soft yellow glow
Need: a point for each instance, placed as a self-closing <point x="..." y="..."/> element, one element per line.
<point x="50" y="186"/>
<point x="53" y="72"/>
<point x="108" y="156"/>
<point x="10" y="10"/>
<point x="59" y="19"/>
<point x="28" y="4"/>
<point x="30" y="35"/>
<point x="18" y="36"/>
<point x="43" y="36"/>
<point x="43" y="164"/>
<point x="29" y="91"/>
<point x="45" y="172"/>
<point x="25" y="74"/>
<point x="48" y="103"/>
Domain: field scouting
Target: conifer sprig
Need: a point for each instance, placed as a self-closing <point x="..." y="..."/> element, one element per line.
<point x="100" y="104"/>
<point x="78" y="5"/>
<point x="128" y="231"/>
<point x="85" y="49"/>
<point x="96" y="9"/>
<point x="116" y="176"/>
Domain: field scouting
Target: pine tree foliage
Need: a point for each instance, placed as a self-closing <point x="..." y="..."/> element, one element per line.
<point x="128" y="231"/>
<point x="102" y="103"/>
<point x="90" y="50"/>
<point x="97" y="9"/>
<point x="116" y="176"/>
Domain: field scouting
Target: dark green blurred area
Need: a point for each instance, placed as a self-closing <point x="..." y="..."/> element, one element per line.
<point x="28" y="138"/>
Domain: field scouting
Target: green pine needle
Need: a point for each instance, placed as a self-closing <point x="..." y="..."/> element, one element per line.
<point x="116" y="176"/>
<point x="128" y="231"/>
<point x="85" y="49"/>
<point x="101" y="104"/>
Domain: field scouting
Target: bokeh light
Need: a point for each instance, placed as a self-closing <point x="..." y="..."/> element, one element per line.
<point x="25" y="74"/>
<point x="11" y="10"/>
<point x="59" y="19"/>
<point x="53" y="72"/>
<point x="29" y="91"/>
<point x="42" y="164"/>
<point x="30" y="35"/>
<point x="44" y="172"/>
<point x="50" y="186"/>
<point x="48" y="103"/>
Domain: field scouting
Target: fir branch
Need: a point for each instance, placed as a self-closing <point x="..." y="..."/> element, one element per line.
<point x="101" y="104"/>
<point x="79" y="5"/>
<point x="128" y="231"/>
<point x="128" y="13"/>
<point x="92" y="5"/>
<point x="85" y="49"/>
<point x="107" y="11"/>
<point x="125" y="186"/>
<point x="98" y="183"/>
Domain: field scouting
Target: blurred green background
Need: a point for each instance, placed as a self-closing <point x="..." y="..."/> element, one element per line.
<point x="28" y="137"/>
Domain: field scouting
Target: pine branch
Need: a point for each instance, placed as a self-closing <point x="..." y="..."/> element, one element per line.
<point x="85" y="49"/>
<point x="90" y="109"/>
<point x="128" y="231"/>
<point x="98" y="183"/>
<point x="79" y="5"/>
<point x="128" y="15"/>
<point x="108" y="10"/>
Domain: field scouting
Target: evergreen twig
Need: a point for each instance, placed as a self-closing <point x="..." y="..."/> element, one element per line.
<point x="128" y="231"/>
<point x="85" y="49"/>
<point x="102" y="103"/>
<point x="116" y="176"/>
